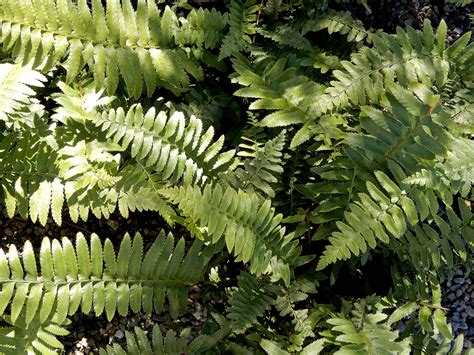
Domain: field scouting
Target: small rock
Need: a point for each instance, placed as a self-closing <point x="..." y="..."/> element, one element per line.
<point x="458" y="292"/>
<point x="459" y="280"/>
<point x="470" y="311"/>
<point x="8" y="232"/>
<point x="118" y="334"/>
<point x="113" y="224"/>
<point x="451" y="296"/>
<point x="467" y="344"/>
<point x="458" y="30"/>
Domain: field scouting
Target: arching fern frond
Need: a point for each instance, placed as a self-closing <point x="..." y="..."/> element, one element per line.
<point x="338" y="22"/>
<point x="35" y="337"/>
<point x="170" y="343"/>
<point x="278" y="88"/>
<point x="249" y="225"/>
<point x="117" y="42"/>
<point x="37" y="180"/>
<point x="405" y="57"/>
<point x="16" y="92"/>
<point x="365" y="330"/>
<point x="441" y="243"/>
<point x="96" y="279"/>
<point x="174" y="147"/>
<point x="260" y="172"/>
<point x="242" y="18"/>
<point x="250" y="300"/>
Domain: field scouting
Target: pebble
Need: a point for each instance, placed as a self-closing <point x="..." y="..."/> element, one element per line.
<point x="458" y="292"/>
<point x="8" y="232"/>
<point x="118" y="334"/>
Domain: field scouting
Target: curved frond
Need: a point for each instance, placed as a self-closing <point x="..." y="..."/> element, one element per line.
<point x="173" y="146"/>
<point x="118" y="42"/>
<point x="251" y="299"/>
<point x="93" y="278"/>
<point x="242" y="18"/>
<point x="261" y="171"/>
<point x="249" y="225"/>
<point x="138" y="343"/>
<point x="16" y="92"/>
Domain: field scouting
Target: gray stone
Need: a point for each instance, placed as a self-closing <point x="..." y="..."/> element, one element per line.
<point x="458" y="293"/>
<point x="119" y="334"/>
<point x="459" y="280"/>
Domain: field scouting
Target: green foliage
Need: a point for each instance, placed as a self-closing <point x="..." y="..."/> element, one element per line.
<point x="169" y="344"/>
<point x="290" y="166"/>
<point x="96" y="279"/>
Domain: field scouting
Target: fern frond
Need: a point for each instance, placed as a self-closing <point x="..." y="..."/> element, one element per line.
<point x="373" y="218"/>
<point x="366" y="331"/>
<point x="286" y="304"/>
<point x="426" y="247"/>
<point x="37" y="180"/>
<point x="35" y="337"/>
<point x="292" y="97"/>
<point x="250" y="300"/>
<point x="138" y="343"/>
<point x="202" y="28"/>
<point x="249" y="225"/>
<point x="117" y="42"/>
<point x="423" y="293"/>
<point x="404" y="57"/>
<point x="16" y="92"/>
<point x="242" y="18"/>
<point x="338" y="22"/>
<point x="261" y="171"/>
<point x="93" y="278"/>
<point x="174" y="147"/>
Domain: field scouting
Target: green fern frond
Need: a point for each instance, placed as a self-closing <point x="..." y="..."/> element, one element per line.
<point x="175" y="147"/>
<point x="35" y="337"/>
<point x="262" y="170"/>
<point x="16" y="92"/>
<point x="424" y="289"/>
<point x="37" y="180"/>
<point x="426" y="246"/>
<point x="275" y="87"/>
<point x="366" y="330"/>
<point x="250" y="300"/>
<point x="242" y="18"/>
<point x="117" y="42"/>
<point x="249" y="225"/>
<point x="138" y="343"/>
<point x="202" y="28"/>
<point x="95" y="279"/>
<point x="338" y="22"/>
<point x="287" y="35"/>
<point x="375" y="217"/>
<point x="286" y="304"/>
<point x="405" y="57"/>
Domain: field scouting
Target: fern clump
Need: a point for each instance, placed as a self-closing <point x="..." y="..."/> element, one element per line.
<point x="317" y="175"/>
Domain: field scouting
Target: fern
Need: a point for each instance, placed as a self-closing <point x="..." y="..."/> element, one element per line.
<point x="95" y="279"/>
<point x="35" y="337"/>
<point x="250" y="301"/>
<point x="262" y="170"/>
<point x="242" y="18"/>
<point x="16" y="93"/>
<point x="249" y="225"/>
<point x="120" y="42"/>
<point x="366" y="331"/>
<point x="404" y="57"/>
<point x="277" y="88"/>
<point x="169" y="344"/>
<point x="175" y="148"/>
<point x="338" y="22"/>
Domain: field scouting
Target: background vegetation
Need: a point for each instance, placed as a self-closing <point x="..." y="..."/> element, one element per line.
<point x="316" y="175"/>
